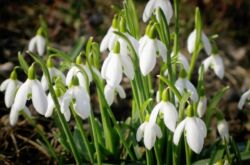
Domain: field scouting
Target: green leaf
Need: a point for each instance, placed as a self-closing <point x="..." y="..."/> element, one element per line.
<point x="74" y="52"/>
<point x="23" y="63"/>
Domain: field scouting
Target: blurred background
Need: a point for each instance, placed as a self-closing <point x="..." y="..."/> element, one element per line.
<point x="69" y="20"/>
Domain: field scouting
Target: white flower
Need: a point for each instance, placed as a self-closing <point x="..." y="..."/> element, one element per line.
<point x="37" y="44"/>
<point x="182" y="83"/>
<point x="149" y="131"/>
<point x="113" y="67"/>
<point x="243" y="99"/>
<point x="148" y="50"/>
<point x="81" y="102"/>
<point x="124" y="47"/>
<point x="169" y="112"/>
<point x="216" y="63"/>
<point x="110" y="91"/>
<point x="109" y="40"/>
<point x="195" y="132"/>
<point x="10" y="87"/>
<point x="222" y="128"/>
<point x="202" y="106"/>
<point x="204" y="40"/>
<point x="34" y="88"/>
<point x="165" y="5"/>
<point x="14" y="113"/>
<point x="53" y="73"/>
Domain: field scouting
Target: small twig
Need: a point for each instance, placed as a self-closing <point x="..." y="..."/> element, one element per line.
<point x="37" y="146"/>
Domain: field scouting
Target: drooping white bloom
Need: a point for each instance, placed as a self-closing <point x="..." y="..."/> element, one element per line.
<point x="124" y="47"/>
<point x="222" y="128"/>
<point x="216" y="63"/>
<point x="34" y="88"/>
<point x="81" y="102"/>
<point x="204" y="40"/>
<point x="14" y="114"/>
<point x="37" y="44"/>
<point x="10" y="87"/>
<point x="53" y="73"/>
<point x="243" y="99"/>
<point x="182" y="83"/>
<point x="165" y="5"/>
<point x="169" y="112"/>
<point x="113" y="67"/>
<point x="202" y="106"/>
<point x="148" y="130"/>
<point x="149" y="48"/>
<point x="109" y="40"/>
<point x="110" y="92"/>
<point x="195" y="131"/>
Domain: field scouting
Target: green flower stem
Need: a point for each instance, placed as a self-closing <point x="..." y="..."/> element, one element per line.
<point x="83" y="134"/>
<point x="149" y="157"/>
<point x="176" y="36"/>
<point x="98" y="152"/>
<point x="188" y="153"/>
<point x="157" y="155"/>
<point x="170" y="150"/>
<point x="42" y="134"/>
<point x="62" y="120"/>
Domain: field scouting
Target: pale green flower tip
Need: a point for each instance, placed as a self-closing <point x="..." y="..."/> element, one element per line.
<point x="32" y="72"/>
<point x="39" y="32"/>
<point x="50" y="63"/>
<point x="79" y="60"/>
<point x="147" y="117"/>
<point x="183" y="73"/>
<point x="189" y="111"/>
<point x="115" y="22"/>
<point x="165" y="95"/>
<point x="123" y="25"/>
<point x="74" y="82"/>
<point x="116" y="48"/>
<point x="13" y="75"/>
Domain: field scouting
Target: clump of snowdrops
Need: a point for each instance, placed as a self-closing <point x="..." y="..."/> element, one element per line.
<point x="170" y="117"/>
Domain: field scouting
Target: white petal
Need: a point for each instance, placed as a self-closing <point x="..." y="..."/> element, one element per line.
<point x="157" y="130"/>
<point x="194" y="136"/>
<point x="162" y="50"/>
<point x="190" y="88"/>
<point x="123" y="47"/>
<point x="128" y="67"/>
<point x="148" y="57"/>
<point x="105" y="40"/>
<point x="179" y="84"/>
<point x="202" y="106"/>
<point x="148" y="10"/>
<point x="50" y="107"/>
<point x="206" y="43"/>
<point x="14" y="113"/>
<point x="121" y="91"/>
<point x="191" y="41"/>
<point x="39" y="99"/>
<point x="82" y="80"/>
<point x="82" y="104"/>
<point x="4" y="84"/>
<point x="114" y="71"/>
<point x="178" y="131"/>
<point x="207" y="63"/>
<point x="105" y="65"/>
<point x="67" y="114"/>
<point x="27" y="111"/>
<point x="109" y="93"/>
<point x="202" y="126"/>
<point x="65" y="102"/>
<point x="22" y="95"/>
<point x="218" y="66"/>
<point x="149" y="136"/>
<point x="10" y="93"/>
<point x="86" y="69"/>
<point x="170" y="115"/>
<point x="140" y="131"/>
<point x="166" y="8"/>
<point x="44" y="83"/>
<point x="112" y="41"/>
<point x="243" y="99"/>
<point x="70" y="75"/>
<point x="223" y="129"/>
<point x="134" y="42"/>
<point x="32" y="44"/>
<point x="57" y="73"/>
<point x="142" y="43"/>
<point x="154" y="113"/>
<point x="184" y="62"/>
<point x="40" y="45"/>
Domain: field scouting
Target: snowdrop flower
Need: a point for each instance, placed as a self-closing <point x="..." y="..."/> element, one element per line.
<point x="114" y="65"/>
<point x="31" y="87"/>
<point x="243" y="99"/>
<point x="183" y="84"/>
<point x="165" y="5"/>
<point x="222" y="128"/>
<point x="10" y="87"/>
<point x="110" y="92"/>
<point x="53" y="73"/>
<point x="168" y="110"/>
<point x="80" y="99"/>
<point x="202" y="106"/>
<point x="148" y="130"/>
<point x="195" y="132"/>
<point x="14" y="114"/>
<point x="149" y="48"/>
<point x="38" y="43"/>
<point x="204" y="40"/>
<point x="64" y="101"/>
<point x="109" y="39"/>
<point x="216" y="63"/>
